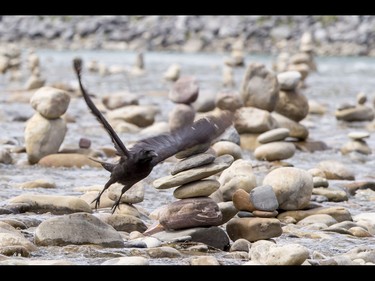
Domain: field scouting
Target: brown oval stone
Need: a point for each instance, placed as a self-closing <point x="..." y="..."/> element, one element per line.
<point x="241" y="200"/>
<point x="192" y="212"/>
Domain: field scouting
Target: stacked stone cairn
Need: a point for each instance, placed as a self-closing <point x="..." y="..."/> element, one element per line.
<point x="195" y="214"/>
<point x="139" y="65"/>
<point x="357" y="144"/>
<point x="10" y="61"/>
<point x="360" y="112"/>
<point x="282" y="189"/>
<point x="46" y="129"/>
<point x="270" y="101"/>
<point x="172" y="73"/>
<point x="303" y="61"/>
<point x="35" y="81"/>
<point x="273" y="146"/>
<point x="237" y="57"/>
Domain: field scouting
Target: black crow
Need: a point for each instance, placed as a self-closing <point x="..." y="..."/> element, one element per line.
<point x="137" y="162"/>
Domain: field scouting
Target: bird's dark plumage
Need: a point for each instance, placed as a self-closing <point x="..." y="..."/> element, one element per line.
<point x="137" y="162"/>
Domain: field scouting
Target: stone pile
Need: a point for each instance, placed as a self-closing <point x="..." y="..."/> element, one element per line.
<point x="46" y="129"/>
<point x="357" y="143"/>
<point x="359" y="112"/>
<point x="195" y="209"/>
<point x="183" y="93"/>
<point x="273" y="146"/>
<point x="303" y="61"/>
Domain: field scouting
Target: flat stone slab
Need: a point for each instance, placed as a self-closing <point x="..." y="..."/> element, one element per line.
<point x="220" y="164"/>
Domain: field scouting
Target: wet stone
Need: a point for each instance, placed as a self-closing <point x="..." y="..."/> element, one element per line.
<point x="193" y="212"/>
<point x="278" y="134"/>
<point x="220" y="164"/>
<point x="193" y="162"/>
<point x="77" y="229"/>
<point x="200" y="188"/>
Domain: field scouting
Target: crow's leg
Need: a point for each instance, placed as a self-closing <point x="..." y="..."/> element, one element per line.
<point x="117" y="203"/>
<point x="97" y="199"/>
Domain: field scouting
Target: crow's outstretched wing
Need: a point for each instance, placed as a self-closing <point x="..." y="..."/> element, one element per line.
<point x="202" y="131"/>
<point x="119" y="146"/>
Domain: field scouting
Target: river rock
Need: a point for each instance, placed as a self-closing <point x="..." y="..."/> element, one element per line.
<point x="133" y="195"/>
<point x="259" y="87"/>
<point x="317" y="218"/>
<point x="263" y="198"/>
<point x="185" y="90"/>
<point x="228" y="211"/>
<point x="192" y="212"/>
<point x="228" y="101"/>
<point x="220" y="164"/>
<point x="49" y="203"/>
<point x="50" y="102"/>
<point x="68" y="160"/>
<point x="140" y="115"/>
<point x="43" y="136"/>
<point x="359" y="146"/>
<point x="173" y="72"/>
<point x="335" y="170"/>
<point x="119" y="99"/>
<point x="241" y="200"/>
<point x="192" y="162"/>
<point x="332" y="194"/>
<point x="292" y="104"/>
<point x="288" y="80"/>
<point x="200" y="188"/>
<point x="5" y="156"/>
<point x="292" y="187"/>
<point x="273" y="135"/>
<point x="181" y="115"/>
<point x="238" y="176"/>
<point x="90" y="196"/>
<point x="253" y="120"/>
<point x="227" y="147"/>
<point x="355" y="114"/>
<point x="338" y="213"/>
<point x="13" y="242"/>
<point x="212" y="236"/>
<point x="241" y="244"/>
<point x="274" y="151"/>
<point x="77" y="229"/>
<point x="38" y="183"/>
<point x="125" y="223"/>
<point x="268" y="253"/>
<point x="253" y="229"/>
<point x="296" y="130"/>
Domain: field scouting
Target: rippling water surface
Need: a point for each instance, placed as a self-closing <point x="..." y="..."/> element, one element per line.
<point x="338" y="80"/>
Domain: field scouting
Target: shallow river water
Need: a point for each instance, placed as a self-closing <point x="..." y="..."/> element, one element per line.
<point x="338" y="80"/>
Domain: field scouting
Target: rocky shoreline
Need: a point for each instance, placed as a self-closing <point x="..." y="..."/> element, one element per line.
<point x="239" y="201"/>
<point x="341" y="35"/>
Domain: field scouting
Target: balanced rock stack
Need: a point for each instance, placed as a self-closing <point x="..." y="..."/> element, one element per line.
<point x="273" y="146"/>
<point x="321" y="191"/>
<point x="302" y="61"/>
<point x="270" y="101"/>
<point x="45" y="130"/>
<point x="10" y="60"/>
<point x="229" y="141"/>
<point x="194" y="209"/>
<point x="357" y="143"/>
<point x="359" y="112"/>
<point x="35" y="81"/>
<point x="285" y="188"/>
<point x="237" y="57"/>
<point x="183" y="93"/>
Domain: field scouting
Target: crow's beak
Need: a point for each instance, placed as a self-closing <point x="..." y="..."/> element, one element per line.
<point x="153" y="154"/>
